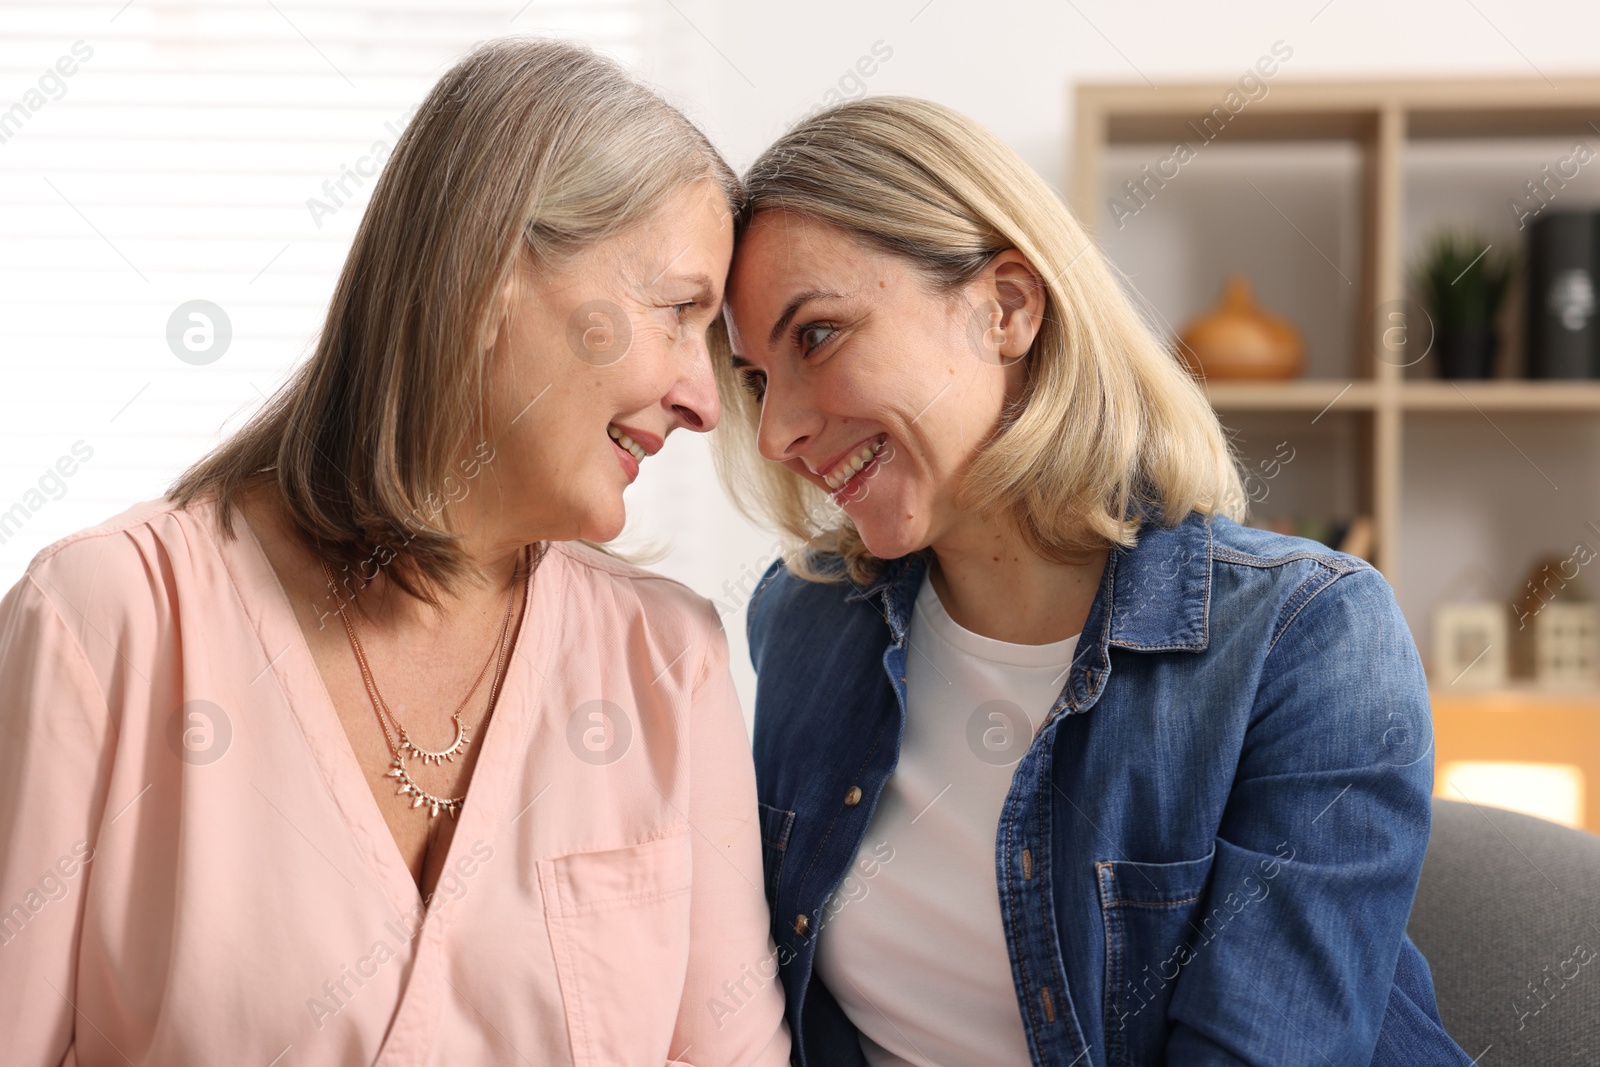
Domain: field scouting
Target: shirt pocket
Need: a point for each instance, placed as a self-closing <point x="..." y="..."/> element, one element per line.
<point x="1146" y="909"/>
<point x="618" y="921"/>
<point x="776" y="823"/>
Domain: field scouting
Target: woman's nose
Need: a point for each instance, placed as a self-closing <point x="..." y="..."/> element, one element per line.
<point x="692" y="399"/>
<point x="786" y="425"/>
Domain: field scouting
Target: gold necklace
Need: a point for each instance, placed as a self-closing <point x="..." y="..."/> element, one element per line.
<point x="401" y="747"/>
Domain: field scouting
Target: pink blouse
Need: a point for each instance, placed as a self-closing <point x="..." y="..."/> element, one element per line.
<point x="193" y="869"/>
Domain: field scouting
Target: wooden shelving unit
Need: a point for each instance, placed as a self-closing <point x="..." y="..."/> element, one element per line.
<point x="1382" y="120"/>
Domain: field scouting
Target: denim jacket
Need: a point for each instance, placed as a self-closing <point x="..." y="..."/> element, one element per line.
<point x="1209" y="851"/>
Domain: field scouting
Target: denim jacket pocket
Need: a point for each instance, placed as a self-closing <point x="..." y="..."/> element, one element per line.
<point x="618" y="921"/>
<point x="775" y="826"/>
<point x="1146" y="909"/>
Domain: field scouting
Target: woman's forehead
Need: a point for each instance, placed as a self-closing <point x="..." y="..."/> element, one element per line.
<point x="781" y="250"/>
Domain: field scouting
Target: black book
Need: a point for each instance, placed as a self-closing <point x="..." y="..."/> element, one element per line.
<point x="1563" y="266"/>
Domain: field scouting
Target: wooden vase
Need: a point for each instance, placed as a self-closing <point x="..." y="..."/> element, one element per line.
<point x="1237" y="339"/>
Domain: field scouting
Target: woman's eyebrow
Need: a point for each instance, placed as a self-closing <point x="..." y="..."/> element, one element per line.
<point x="705" y="288"/>
<point x="794" y="306"/>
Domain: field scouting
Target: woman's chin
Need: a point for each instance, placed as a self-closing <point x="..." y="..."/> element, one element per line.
<point x="599" y="517"/>
<point x="605" y="526"/>
<point x="883" y="540"/>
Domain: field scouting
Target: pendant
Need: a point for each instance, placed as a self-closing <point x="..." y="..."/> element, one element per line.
<point x="429" y="756"/>
<point x="420" y="796"/>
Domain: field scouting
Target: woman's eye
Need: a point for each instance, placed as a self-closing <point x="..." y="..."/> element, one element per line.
<point x="810" y="338"/>
<point x="684" y="308"/>
<point x="755" y="384"/>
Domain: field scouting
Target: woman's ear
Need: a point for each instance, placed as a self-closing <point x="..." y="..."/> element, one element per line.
<point x="1011" y="296"/>
<point x="499" y="312"/>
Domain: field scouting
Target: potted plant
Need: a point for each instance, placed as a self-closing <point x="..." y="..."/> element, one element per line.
<point x="1462" y="280"/>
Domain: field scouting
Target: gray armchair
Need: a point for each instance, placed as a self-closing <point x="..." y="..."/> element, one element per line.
<point x="1508" y="915"/>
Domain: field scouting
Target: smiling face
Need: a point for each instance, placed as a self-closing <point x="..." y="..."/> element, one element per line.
<point x="872" y="386"/>
<point x="595" y="363"/>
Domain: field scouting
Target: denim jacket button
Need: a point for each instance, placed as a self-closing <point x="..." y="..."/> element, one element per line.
<point x="802" y="925"/>
<point x="852" y="798"/>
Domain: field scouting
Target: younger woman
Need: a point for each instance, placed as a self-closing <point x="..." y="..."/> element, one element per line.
<point x="1058" y="762"/>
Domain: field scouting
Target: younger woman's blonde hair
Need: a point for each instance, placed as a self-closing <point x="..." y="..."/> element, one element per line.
<point x="525" y="144"/>
<point x="1109" y="425"/>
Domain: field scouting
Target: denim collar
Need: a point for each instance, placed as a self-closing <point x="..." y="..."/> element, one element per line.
<point x="1154" y="597"/>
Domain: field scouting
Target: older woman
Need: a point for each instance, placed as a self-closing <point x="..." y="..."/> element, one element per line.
<point x="1058" y="762"/>
<point x="352" y="749"/>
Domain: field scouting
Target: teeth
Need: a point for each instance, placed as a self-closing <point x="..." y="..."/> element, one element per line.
<point x="847" y="468"/>
<point x="626" y="442"/>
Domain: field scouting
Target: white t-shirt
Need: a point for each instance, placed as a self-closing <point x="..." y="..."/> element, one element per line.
<point x="911" y="944"/>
